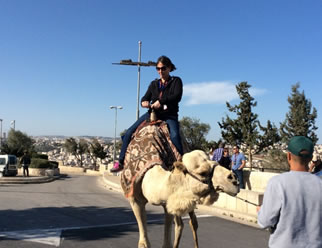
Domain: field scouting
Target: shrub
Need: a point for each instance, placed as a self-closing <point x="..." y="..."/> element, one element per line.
<point x="276" y="160"/>
<point x="40" y="163"/>
<point x="39" y="155"/>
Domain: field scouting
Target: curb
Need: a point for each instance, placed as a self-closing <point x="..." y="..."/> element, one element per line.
<point x="28" y="180"/>
<point x="112" y="185"/>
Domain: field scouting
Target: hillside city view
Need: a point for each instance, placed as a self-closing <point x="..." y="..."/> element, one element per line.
<point x="53" y="146"/>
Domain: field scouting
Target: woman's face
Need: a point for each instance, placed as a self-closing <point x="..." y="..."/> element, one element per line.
<point x="163" y="71"/>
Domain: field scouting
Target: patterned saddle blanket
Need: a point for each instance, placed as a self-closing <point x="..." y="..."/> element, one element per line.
<point x="150" y="146"/>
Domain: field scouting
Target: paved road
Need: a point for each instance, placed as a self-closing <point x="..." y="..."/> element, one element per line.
<point x="77" y="211"/>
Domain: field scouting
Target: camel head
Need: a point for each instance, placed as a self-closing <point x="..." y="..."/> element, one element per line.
<point x="222" y="180"/>
<point x="200" y="170"/>
<point x="225" y="180"/>
<point x="191" y="182"/>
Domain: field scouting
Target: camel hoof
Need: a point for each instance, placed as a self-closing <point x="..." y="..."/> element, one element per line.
<point x="142" y="245"/>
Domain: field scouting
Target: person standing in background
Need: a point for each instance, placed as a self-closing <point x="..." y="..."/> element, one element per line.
<point x="218" y="153"/>
<point x="238" y="163"/>
<point x="225" y="160"/>
<point x="25" y="162"/>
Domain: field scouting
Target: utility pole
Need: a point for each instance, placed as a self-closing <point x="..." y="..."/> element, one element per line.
<point x="114" y="152"/>
<point x="138" y="64"/>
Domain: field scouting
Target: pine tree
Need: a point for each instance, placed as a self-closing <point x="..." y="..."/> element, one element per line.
<point x="242" y="130"/>
<point x="300" y="120"/>
<point x="269" y="137"/>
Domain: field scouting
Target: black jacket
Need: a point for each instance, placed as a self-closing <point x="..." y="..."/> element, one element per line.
<point x="170" y="98"/>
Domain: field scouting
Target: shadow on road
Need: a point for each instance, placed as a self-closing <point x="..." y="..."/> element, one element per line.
<point x="78" y="223"/>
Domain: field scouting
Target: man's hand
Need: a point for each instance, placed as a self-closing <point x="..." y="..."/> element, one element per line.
<point x="145" y="104"/>
<point x="258" y="208"/>
<point x="156" y="105"/>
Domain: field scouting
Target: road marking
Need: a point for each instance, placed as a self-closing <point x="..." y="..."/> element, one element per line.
<point x="53" y="236"/>
<point x="49" y="237"/>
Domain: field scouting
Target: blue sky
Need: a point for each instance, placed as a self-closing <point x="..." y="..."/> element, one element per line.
<point x="57" y="77"/>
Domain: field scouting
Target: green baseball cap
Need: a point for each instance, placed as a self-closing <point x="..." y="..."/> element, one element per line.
<point x="299" y="144"/>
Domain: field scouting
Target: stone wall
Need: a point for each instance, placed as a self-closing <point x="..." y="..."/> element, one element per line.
<point x="256" y="180"/>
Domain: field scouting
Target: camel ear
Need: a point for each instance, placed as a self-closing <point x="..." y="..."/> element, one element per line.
<point x="179" y="166"/>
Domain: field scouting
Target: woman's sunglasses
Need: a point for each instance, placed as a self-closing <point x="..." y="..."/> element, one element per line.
<point x="163" y="68"/>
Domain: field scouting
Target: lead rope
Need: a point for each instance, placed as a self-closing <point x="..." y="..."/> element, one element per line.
<point x="247" y="201"/>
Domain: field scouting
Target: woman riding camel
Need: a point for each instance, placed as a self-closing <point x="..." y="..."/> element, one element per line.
<point x="163" y="96"/>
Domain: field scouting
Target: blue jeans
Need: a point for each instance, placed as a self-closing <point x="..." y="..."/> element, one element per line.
<point x="240" y="175"/>
<point x="173" y="126"/>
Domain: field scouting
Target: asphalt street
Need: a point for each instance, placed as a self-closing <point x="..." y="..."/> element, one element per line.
<point x="78" y="211"/>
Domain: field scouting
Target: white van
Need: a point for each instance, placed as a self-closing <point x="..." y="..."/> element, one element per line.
<point x="8" y="165"/>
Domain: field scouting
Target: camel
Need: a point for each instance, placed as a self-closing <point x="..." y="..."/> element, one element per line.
<point x="154" y="172"/>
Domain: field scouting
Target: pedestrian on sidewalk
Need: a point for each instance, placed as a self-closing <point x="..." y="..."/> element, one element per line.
<point x="25" y="162"/>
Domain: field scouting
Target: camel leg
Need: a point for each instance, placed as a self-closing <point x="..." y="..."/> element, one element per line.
<point x="177" y="231"/>
<point x="140" y="215"/>
<point x="194" y="226"/>
<point x="168" y="219"/>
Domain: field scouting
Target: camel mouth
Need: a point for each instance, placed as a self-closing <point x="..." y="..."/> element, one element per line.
<point x="232" y="193"/>
<point x="219" y="189"/>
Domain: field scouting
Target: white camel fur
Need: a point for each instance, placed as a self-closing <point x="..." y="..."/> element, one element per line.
<point x="195" y="180"/>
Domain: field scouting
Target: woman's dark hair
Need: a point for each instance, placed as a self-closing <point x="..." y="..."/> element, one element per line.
<point x="167" y="62"/>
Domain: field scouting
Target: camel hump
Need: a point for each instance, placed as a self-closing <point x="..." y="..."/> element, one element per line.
<point x="150" y="146"/>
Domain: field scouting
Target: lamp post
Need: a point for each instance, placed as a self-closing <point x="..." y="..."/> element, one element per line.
<point x="1" y="133"/>
<point x="138" y="64"/>
<point x="116" y="108"/>
<point x="13" y="123"/>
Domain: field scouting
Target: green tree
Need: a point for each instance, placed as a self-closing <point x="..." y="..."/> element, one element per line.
<point x="243" y="129"/>
<point x="194" y="133"/>
<point x="97" y="151"/>
<point x="17" y="143"/>
<point x="300" y="120"/>
<point x="78" y="149"/>
<point x="269" y="137"/>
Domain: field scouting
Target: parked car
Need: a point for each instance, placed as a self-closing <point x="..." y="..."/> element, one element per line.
<point x="8" y="165"/>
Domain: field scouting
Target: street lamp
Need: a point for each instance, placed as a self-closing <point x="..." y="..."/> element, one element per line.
<point x="13" y="123"/>
<point x="115" y="107"/>
<point x="138" y="64"/>
<point x="1" y="133"/>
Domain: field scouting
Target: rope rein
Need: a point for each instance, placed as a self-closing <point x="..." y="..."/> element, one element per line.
<point x="247" y="201"/>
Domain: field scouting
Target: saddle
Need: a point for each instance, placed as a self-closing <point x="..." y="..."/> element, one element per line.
<point x="150" y="146"/>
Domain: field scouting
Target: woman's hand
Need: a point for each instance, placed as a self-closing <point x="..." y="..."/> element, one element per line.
<point x="145" y="104"/>
<point x="156" y="105"/>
